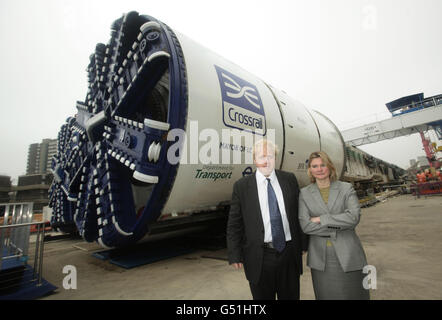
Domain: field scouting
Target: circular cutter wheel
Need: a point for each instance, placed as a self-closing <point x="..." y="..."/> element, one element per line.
<point x="111" y="174"/>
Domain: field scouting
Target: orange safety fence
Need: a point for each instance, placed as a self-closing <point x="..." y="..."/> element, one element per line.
<point x="427" y="188"/>
<point x="37" y="217"/>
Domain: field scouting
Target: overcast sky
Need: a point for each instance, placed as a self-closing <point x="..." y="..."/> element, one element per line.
<point x="344" y="58"/>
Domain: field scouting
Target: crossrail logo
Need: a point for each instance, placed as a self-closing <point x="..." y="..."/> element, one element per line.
<point x="242" y="104"/>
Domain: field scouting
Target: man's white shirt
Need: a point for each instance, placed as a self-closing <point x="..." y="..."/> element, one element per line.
<point x="262" y="184"/>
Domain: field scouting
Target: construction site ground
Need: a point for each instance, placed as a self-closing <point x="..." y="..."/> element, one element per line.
<point x="401" y="236"/>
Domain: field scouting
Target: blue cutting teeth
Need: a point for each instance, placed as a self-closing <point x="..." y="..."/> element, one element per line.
<point x="116" y="141"/>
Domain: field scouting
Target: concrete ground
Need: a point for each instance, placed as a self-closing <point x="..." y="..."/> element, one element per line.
<point x="401" y="237"/>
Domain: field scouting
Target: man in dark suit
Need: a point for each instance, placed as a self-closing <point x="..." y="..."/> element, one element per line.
<point x="263" y="232"/>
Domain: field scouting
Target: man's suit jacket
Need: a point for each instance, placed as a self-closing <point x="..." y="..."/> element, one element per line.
<point x="245" y="228"/>
<point x="338" y="221"/>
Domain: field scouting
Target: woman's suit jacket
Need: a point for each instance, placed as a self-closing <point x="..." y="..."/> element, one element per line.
<point x="338" y="221"/>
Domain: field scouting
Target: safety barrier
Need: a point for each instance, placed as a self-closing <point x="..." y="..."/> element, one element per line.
<point x="426" y="189"/>
<point x="14" y="245"/>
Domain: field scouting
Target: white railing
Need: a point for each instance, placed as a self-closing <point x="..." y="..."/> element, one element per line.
<point x="16" y="222"/>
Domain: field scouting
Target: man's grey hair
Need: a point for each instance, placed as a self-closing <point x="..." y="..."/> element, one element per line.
<point x="264" y="142"/>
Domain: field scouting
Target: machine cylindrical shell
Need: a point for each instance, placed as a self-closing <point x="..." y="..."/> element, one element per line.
<point x="205" y="178"/>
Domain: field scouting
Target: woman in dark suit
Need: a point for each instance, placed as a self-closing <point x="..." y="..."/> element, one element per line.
<point x="329" y="211"/>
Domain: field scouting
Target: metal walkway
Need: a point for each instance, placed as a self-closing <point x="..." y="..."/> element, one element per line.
<point x="425" y="116"/>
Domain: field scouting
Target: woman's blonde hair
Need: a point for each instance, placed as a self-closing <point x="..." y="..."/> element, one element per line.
<point x="326" y="160"/>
